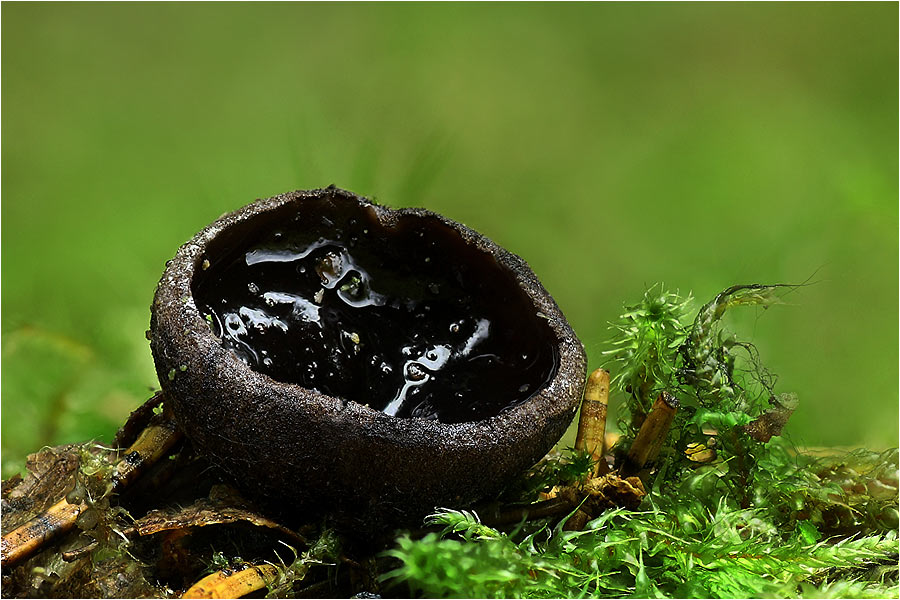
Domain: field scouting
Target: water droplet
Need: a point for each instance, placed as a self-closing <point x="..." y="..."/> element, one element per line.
<point x="252" y="288"/>
<point x="267" y="361"/>
<point x="415" y="372"/>
<point x="454" y="328"/>
<point x="330" y="268"/>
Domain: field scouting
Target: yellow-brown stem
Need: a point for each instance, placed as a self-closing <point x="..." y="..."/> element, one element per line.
<point x="152" y="444"/>
<point x="234" y="585"/>
<point x="592" y="422"/>
<point x="22" y="542"/>
<point x="649" y="439"/>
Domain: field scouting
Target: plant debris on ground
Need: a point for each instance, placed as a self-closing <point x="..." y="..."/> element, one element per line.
<point x="701" y="496"/>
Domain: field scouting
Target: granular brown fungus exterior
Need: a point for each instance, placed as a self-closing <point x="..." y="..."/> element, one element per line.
<point x="336" y="355"/>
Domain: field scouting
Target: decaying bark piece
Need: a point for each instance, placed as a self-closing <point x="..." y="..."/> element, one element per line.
<point x="50" y="475"/>
<point x="137" y="420"/>
<point x="611" y="491"/>
<point x="592" y="421"/>
<point x="590" y="499"/>
<point x="223" y="507"/>
<point x="599" y="494"/>
<point x="770" y="423"/>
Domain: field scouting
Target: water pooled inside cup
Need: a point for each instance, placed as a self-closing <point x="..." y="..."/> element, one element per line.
<point x="409" y="319"/>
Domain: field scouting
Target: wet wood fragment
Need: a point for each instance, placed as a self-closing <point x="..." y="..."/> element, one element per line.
<point x="701" y="453"/>
<point x="224" y="584"/>
<point x="138" y="420"/>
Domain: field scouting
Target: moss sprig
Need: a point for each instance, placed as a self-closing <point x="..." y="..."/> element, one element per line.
<point x="645" y="347"/>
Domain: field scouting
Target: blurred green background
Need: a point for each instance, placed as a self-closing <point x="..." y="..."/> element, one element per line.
<point x="610" y="145"/>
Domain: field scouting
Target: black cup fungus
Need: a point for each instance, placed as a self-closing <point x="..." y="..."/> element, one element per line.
<point x="335" y="355"/>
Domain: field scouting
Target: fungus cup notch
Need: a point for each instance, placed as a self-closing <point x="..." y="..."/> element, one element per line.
<point x="333" y="354"/>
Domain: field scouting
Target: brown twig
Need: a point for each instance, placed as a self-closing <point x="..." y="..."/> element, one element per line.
<point x="592" y="421"/>
<point x="513" y="514"/>
<point x="73" y="555"/>
<point x="222" y="584"/>
<point x="152" y="444"/>
<point x="21" y="543"/>
<point x="649" y="439"/>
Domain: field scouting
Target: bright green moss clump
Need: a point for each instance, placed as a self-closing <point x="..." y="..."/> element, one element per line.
<point x="732" y="510"/>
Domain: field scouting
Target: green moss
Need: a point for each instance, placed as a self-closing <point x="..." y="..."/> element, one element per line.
<point x="756" y="517"/>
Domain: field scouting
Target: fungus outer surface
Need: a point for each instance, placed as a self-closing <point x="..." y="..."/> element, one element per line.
<point x="405" y="317"/>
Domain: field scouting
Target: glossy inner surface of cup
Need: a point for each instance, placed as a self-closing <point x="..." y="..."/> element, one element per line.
<point x="406" y="318"/>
